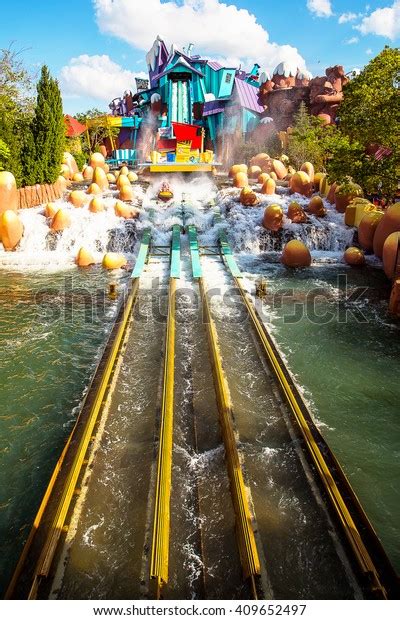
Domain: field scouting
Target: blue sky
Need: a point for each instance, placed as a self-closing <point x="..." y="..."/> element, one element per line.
<point x="96" y="47"/>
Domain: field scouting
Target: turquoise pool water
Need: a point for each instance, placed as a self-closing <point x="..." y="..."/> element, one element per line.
<point x="52" y="327"/>
<point x="331" y="324"/>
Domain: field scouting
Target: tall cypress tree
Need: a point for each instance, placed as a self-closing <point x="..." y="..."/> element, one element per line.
<point x="43" y="148"/>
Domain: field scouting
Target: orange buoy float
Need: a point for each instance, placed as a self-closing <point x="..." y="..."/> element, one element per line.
<point x="8" y="192"/>
<point x="122" y="180"/>
<point x="97" y="160"/>
<point x="96" y="205"/>
<point x="88" y="173"/>
<point x="236" y="168"/>
<point x="240" y="180"/>
<point x="93" y="188"/>
<point x="391" y="255"/>
<point x="263" y="177"/>
<point x="133" y="177"/>
<point x="50" y="209"/>
<point x="113" y="260"/>
<point x="308" y="168"/>
<point x="367" y="228"/>
<point x="60" y="221"/>
<point x="69" y="160"/>
<point x="388" y="224"/>
<point x="248" y="197"/>
<point x="354" y="257"/>
<point x="296" y="254"/>
<point x="100" y="177"/>
<point x="269" y="187"/>
<point x="126" y="211"/>
<point x="77" y="177"/>
<point x="111" y="177"/>
<point x="11" y="229"/>
<point x="65" y="171"/>
<point x="84" y="258"/>
<point x="77" y="198"/>
<point x="279" y="169"/>
<point x="316" y="207"/>
<point x="124" y="170"/>
<point x="273" y="218"/>
<point x="296" y="213"/>
<point x="300" y="183"/>
<point x="126" y="193"/>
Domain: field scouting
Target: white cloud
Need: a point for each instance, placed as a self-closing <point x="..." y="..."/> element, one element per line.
<point x="217" y="29"/>
<point x="348" y="17"/>
<point x="369" y="51"/>
<point x="321" y="8"/>
<point x="352" y="41"/>
<point x="96" y="76"/>
<point x="384" y="22"/>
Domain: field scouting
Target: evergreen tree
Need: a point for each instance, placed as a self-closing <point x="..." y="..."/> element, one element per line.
<point x="44" y="144"/>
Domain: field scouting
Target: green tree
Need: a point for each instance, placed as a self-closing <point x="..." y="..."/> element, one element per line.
<point x="16" y="107"/>
<point x="4" y="155"/>
<point x="43" y="149"/>
<point x="306" y="140"/>
<point x="370" y="115"/>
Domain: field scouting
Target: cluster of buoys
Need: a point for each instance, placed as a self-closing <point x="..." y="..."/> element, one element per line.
<point x="11" y="227"/>
<point x="110" y="260"/>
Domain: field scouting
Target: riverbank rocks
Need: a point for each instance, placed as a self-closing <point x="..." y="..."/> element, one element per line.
<point x="60" y="221"/>
<point x="273" y="218"/>
<point x="354" y="257"/>
<point x="296" y="254"/>
<point x="262" y="160"/>
<point x="316" y="207"/>
<point x="124" y="170"/>
<point x="77" y="198"/>
<point x="300" y="184"/>
<point x="318" y="176"/>
<point x="248" y="197"/>
<point x="8" y="192"/>
<point x="254" y="172"/>
<point x="111" y="178"/>
<point x="65" y="171"/>
<point x="78" y="177"/>
<point x="84" y="258"/>
<point x="391" y="250"/>
<point x="296" y="213"/>
<point x="11" y="230"/>
<point x="126" y="211"/>
<point x="389" y="223"/>
<point x="96" y="205"/>
<point x="112" y="260"/>
<point x="269" y="187"/>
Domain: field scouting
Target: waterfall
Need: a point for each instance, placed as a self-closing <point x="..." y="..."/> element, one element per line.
<point x="246" y="233"/>
<point x="98" y="232"/>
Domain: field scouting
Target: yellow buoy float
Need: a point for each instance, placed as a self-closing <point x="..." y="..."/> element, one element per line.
<point x="113" y="260"/>
<point x="11" y="229"/>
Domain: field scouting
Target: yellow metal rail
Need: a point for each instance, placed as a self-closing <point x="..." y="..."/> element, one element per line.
<point x="352" y="534"/>
<point x="49" y="547"/>
<point x="245" y="534"/>
<point x="161" y="523"/>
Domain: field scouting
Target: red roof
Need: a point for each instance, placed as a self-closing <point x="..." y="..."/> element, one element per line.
<point x="73" y="127"/>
